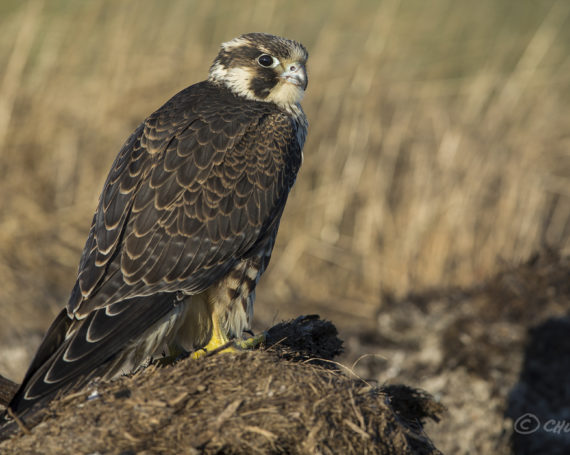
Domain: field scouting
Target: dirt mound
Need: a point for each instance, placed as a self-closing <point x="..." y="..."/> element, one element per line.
<point x="288" y="398"/>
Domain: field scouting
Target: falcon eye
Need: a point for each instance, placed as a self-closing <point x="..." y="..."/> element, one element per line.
<point x="267" y="61"/>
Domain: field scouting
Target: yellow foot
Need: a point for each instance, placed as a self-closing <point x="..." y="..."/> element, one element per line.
<point x="214" y="347"/>
<point x="207" y="350"/>
<point x="252" y="342"/>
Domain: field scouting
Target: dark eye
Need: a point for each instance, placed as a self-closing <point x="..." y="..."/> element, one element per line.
<point x="265" y="60"/>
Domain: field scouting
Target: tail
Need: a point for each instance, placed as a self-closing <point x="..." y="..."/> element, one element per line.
<point x="75" y="351"/>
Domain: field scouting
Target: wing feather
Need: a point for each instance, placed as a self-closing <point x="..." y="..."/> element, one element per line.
<point x="197" y="186"/>
<point x="87" y="348"/>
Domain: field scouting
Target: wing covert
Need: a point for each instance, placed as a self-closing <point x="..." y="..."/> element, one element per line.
<point x="197" y="186"/>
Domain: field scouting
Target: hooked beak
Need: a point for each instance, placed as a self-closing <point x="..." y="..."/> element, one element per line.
<point x="296" y="74"/>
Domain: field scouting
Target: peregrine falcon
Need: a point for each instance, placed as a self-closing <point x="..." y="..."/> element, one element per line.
<point x="185" y="224"/>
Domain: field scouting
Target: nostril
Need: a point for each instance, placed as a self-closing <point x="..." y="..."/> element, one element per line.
<point x="292" y="68"/>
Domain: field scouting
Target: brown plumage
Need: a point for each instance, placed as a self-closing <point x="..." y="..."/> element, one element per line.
<point x="185" y="224"/>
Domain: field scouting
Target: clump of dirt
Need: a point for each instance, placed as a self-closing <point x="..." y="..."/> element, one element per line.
<point x="539" y="404"/>
<point x="288" y="398"/>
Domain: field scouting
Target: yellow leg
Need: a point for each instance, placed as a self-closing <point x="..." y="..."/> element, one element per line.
<point x="217" y="341"/>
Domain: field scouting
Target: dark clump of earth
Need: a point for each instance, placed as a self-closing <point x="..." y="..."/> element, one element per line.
<point x="496" y="354"/>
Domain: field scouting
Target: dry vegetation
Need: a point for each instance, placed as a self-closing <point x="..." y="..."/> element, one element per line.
<point x="437" y="151"/>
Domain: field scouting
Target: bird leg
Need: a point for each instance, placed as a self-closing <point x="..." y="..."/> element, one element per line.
<point x="219" y="341"/>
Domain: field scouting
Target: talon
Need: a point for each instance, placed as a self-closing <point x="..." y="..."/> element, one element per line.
<point x="219" y="342"/>
<point x="198" y="354"/>
<point x="205" y="351"/>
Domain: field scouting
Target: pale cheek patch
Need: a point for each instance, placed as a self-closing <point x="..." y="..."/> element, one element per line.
<point x="237" y="79"/>
<point x="284" y="94"/>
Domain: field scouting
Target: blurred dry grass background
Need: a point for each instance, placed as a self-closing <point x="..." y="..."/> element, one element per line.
<point x="437" y="150"/>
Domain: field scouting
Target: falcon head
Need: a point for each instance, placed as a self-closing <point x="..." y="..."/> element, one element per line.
<point x="262" y="67"/>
